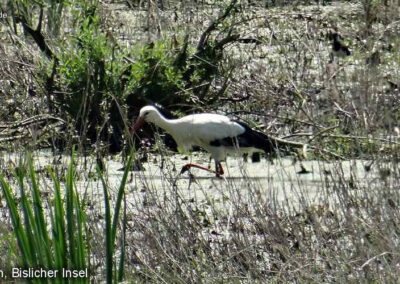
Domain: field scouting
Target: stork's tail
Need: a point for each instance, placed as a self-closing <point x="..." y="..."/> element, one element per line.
<point x="259" y="140"/>
<point x="255" y="139"/>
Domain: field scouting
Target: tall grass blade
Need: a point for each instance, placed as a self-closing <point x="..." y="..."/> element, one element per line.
<point x="122" y="256"/>
<point x="80" y="221"/>
<point x="29" y="220"/>
<point x="76" y="220"/>
<point x="108" y="230"/>
<point x="20" y="234"/>
<point x="58" y="224"/>
<point x="121" y="192"/>
<point x="39" y="221"/>
<point x="69" y="203"/>
<point x="111" y="227"/>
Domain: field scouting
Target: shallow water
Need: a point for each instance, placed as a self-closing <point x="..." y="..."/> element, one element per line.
<point x="280" y="182"/>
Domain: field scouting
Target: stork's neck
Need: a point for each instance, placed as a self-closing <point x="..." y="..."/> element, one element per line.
<point x="165" y="123"/>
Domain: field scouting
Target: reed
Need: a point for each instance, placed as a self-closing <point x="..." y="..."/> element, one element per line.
<point x="54" y="243"/>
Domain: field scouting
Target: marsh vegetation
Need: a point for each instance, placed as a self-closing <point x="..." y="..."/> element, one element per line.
<point x="78" y="192"/>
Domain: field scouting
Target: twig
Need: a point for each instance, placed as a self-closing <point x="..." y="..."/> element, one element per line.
<point x="30" y="120"/>
<point x="341" y="136"/>
<point x="348" y="114"/>
<point x="373" y="258"/>
<point x="322" y="132"/>
<point x="362" y="138"/>
<point x="328" y="152"/>
<point x="214" y="24"/>
<point x="304" y="147"/>
<point x="37" y="34"/>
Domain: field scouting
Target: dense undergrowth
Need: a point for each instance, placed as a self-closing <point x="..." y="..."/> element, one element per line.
<point x="232" y="230"/>
<point x="87" y="66"/>
<point x="77" y="72"/>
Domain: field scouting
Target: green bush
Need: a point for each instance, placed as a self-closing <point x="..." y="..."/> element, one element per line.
<point x="154" y="76"/>
<point x="89" y="80"/>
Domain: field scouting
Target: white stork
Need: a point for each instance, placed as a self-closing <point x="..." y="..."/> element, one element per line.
<point x="217" y="134"/>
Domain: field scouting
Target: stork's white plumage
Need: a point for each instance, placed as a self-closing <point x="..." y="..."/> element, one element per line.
<point x="217" y="134"/>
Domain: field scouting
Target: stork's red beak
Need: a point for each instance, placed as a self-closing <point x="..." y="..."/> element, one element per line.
<point x="139" y="122"/>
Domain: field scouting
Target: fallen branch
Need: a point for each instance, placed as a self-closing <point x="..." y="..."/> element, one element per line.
<point x="31" y="120"/>
<point x="304" y="147"/>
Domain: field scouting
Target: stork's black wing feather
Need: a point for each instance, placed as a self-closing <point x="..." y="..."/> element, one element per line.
<point x="250" y="138"/>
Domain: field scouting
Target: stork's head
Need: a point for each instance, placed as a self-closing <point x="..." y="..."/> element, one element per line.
<point x="146" y="114"/>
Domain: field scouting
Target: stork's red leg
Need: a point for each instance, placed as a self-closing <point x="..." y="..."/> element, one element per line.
<point x="219" y="171"/>
<point x="218" y="168"/>
<point x="188" y="166"/>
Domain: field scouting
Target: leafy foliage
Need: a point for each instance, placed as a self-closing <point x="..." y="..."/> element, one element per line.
<point x="154" y="76"/>
<point x="90" y="89"/>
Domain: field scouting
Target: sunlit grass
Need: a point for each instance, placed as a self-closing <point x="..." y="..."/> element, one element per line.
<point x="112" y="224"/>
<point x="64" y="246"/>
<point x="57" y="238"/>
